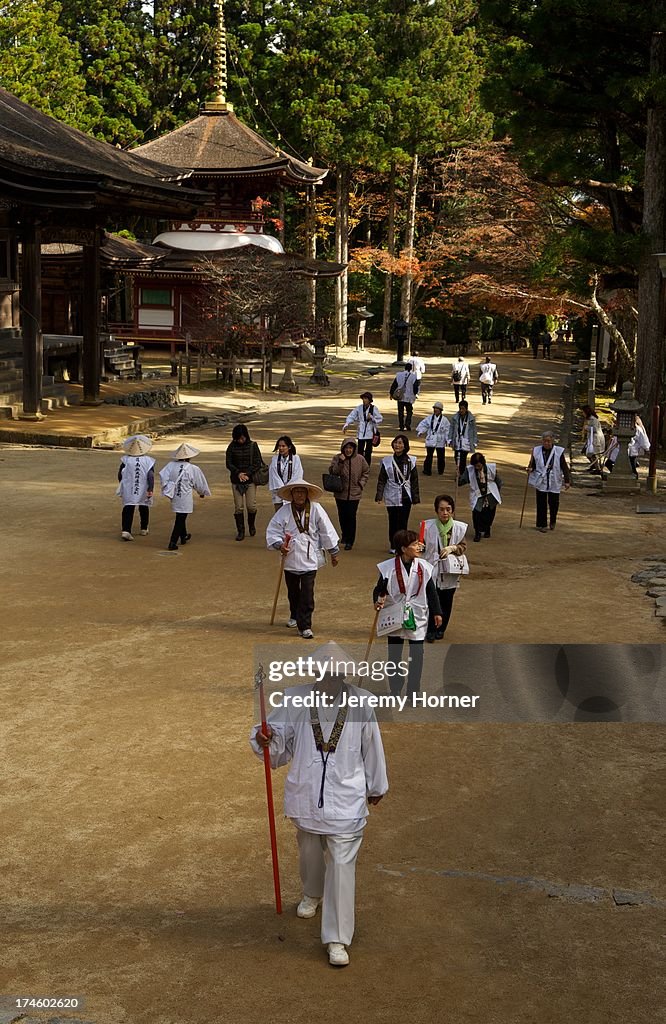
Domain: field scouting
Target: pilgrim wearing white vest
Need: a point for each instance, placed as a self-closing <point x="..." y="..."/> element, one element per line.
<point x="284" y="467"/>
<point x="404" y="389"/>
<point x="336" y="768"/>
<point x="464" y="438"/>
<point x="460" y="378"/>
<point x="302" y="531"/>
<point x="488" y="377"/>
<point x="179" y="481"/>
<point x="398" y="486"/>
<point x="405" y="582"/>
<point x="437" y="429"/>
<point x="444" y="537"/>
<point x="367" y="418"/>
<point x="136" y="481"/>
<point x="638" y="445"/>
<point x="485" y="485"/>
<point x="548" y="474"/>
<point x="593" y="438"/>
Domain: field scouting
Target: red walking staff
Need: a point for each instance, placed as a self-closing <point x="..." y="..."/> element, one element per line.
<point x="259" y="685"/>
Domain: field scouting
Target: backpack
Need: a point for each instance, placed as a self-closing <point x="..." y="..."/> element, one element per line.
<point x="457" y="376"/>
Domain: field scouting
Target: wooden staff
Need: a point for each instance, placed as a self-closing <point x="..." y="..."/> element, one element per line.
<point x="522" y="511"/>
<point x="287" y="538"/>
<point x="373" y="630"/>
<point x="259" y="685"/>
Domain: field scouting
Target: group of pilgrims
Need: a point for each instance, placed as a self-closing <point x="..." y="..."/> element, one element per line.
<point x="337" y="764"/>
<point x="414" y="593"/>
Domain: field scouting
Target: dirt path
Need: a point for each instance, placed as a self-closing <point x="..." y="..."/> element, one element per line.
<point x="134" y="867"/>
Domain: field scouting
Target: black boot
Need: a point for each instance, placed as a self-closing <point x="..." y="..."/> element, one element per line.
<point x="240" y="524"/>
<point x="251" y="516"/>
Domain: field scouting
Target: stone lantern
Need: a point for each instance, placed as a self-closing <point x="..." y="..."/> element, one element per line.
<point x="401" y="334"/>
<point x="622" y="479"/>
<point x="287" y="355"/>
<point x="318" y="375"/>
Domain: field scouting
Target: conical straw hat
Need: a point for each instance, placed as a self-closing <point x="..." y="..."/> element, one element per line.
<point x="186" y="451"/>
<point x="139" y="444"/>
<point x="313" y="490"/>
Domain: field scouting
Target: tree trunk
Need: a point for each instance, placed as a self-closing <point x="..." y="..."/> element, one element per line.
<point x="311" y="252"/>
<point x="341" y="252"/>
<point x="407" y="289"/>
<point x="651" y="322"/>
<point x="390" y="245"/>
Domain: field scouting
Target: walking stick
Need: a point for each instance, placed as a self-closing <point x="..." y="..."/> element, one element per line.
<point x="522" y="511"/>
<point x="279" y="582"/>
<point x="373" y="630"/>
<point x="259" y="685"/>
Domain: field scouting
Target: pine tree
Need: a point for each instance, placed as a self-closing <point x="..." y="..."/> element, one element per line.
<point x="41" y="66"/>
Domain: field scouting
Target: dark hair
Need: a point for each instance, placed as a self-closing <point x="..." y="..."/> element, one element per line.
<point x="368" y="395"/>
<point x="240" y="430"/>
<point x="587" y="410"/>
<point x="476" y="458"/>
<point x="444" y="497"/>
<point x="403" y="538"/>
<point x="404" y="439"/>
<point x="466" y="404"/>
<point x="408" y="366"/>
<point x="289" y="443"/>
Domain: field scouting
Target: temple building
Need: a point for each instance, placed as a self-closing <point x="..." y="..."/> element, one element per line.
<point x="237" y="170"/>
<point x="59" y="184"/>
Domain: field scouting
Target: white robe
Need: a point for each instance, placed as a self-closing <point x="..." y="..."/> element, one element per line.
<point x="367" y="421"/>
<point x="279" y="473"/>
<point x="595" y="442"/>
<point x="179" y="480"/>
<point x="418" y="366"/>
<point x="356" y="770"/>
<point x="133" y="486"/>
<point x="414" y="595"/>
<point x="433" y="547"/>
<point x="306" y="550"/>
<point x="547" y="474"/>
<point x="437" y="430"/>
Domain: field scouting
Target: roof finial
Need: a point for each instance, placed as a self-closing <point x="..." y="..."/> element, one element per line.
<point x="220" y="64"/>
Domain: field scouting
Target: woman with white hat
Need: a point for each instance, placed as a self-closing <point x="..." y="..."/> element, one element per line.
<point x="367" y="418"/>
<point x="302" y="531"/>
<point x="136" y="481"/>
<point x="437" y="430"/>
<point x="179" y="480"/>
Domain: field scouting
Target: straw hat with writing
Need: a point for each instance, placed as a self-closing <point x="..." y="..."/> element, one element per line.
<point x="185" y="451"/>
<point x="139" y="444"/>
<point x="314" y="492"/>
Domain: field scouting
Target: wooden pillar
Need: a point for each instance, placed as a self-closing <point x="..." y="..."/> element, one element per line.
<point x="92" y="365"/>
<point x="31" y="321"/>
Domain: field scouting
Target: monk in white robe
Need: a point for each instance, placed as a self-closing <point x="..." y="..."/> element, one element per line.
<point x="327" y="792"/>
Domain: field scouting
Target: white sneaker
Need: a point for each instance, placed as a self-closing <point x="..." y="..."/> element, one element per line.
<point x="126" y="536"/>
<point x="291" y="623"/>
<point x="337" y="954"/>
<point x="307" y="634"/>
<point x="144" y="533"/>
<point x="308" y="906"/>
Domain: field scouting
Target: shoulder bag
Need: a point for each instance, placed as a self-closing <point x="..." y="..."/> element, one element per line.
<point x="332" y="482"/>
